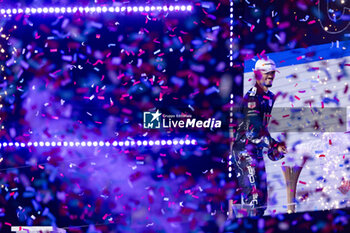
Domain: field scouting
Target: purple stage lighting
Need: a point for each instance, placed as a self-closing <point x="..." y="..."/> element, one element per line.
<point x="127" y="143"/>
<point x="104" y="9"/>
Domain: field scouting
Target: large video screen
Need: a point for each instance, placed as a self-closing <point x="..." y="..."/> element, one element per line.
<point x="309" y="81"/>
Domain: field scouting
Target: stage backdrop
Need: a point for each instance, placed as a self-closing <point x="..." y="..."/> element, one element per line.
<point x="315" y="78"/>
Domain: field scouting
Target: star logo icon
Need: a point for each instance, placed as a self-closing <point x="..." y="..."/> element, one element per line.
<point x="156" y="115"/>
<point x="151" y="120"/>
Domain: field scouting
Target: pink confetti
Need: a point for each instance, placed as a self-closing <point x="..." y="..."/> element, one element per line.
<point x="36" y="36"/>
<point x="127" y="111"/>
<point x="97" y="62"/>
<point x="252" y="28"/>
<point x="284" y="25"/>
<point x="137" y="82"/>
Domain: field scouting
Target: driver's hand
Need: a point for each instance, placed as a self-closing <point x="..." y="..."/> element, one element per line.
<point x="282" y="149"/>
